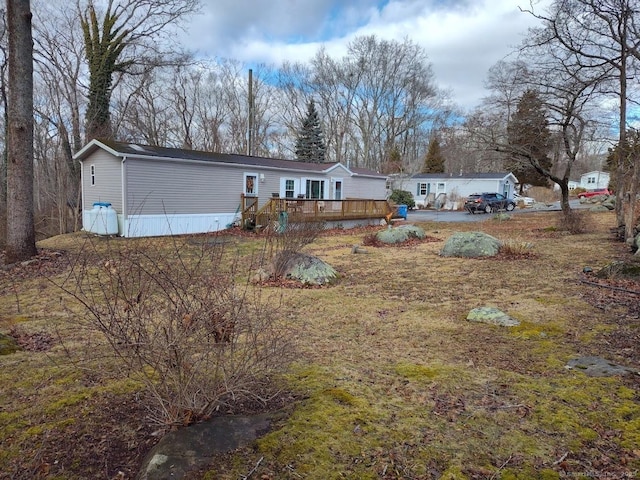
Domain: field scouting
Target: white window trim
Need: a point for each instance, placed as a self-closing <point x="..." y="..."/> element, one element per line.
<point x="255" y="185"/>
<point x="334" y="182"/>
<point x="303" y="186"/>
<point x="92" y="173"/>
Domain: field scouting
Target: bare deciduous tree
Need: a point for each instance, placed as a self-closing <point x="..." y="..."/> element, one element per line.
<point x="122" y="39"/>
<point x="599" y="37"/>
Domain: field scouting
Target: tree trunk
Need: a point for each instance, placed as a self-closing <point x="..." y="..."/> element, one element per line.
<point x="630" y="217"/>
<point x="564" y="199"/>
<point x="21" y="244"/>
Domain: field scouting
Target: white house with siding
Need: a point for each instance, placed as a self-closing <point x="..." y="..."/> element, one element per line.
<point x="161" y="191"/>
<point x="448" y="190"/>
<point x="594" y="179"/>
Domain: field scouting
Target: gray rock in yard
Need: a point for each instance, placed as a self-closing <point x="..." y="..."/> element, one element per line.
<point x="195" y="446"/>
<point x="471" y="244"/>
<point x="400" y="234"/>
<point x="599" y="208"/>
<point x="308" y="269"/>
<point x="492" y="316"/>
<point x="610" y="203"/>
<point x="597" y="367"/>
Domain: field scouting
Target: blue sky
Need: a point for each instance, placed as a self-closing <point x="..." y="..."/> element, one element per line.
<point x="463" y="38"/>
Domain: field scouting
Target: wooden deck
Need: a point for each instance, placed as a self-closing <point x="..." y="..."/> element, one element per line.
<point x="307" y="210"/>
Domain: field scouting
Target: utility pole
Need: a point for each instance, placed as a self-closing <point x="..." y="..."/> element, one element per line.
<point x="250" y="126"/>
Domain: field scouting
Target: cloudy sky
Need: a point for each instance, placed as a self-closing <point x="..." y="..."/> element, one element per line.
<point x="462" y="38"/>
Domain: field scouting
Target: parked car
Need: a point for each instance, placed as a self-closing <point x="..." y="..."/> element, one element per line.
<point x="594" y="192"/>
<point x="528" y="201"/>
<point x="488" y="202"/>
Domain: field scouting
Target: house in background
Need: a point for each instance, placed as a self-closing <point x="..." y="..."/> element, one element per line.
<point x="445" y="190"/>
<point x="162" y="191"/>
<point x="594" y="179"/>
<point x="588" y="181"/>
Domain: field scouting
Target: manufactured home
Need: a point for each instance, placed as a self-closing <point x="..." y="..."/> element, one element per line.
<point x="154" y="191"/>
<point x="445" y="190"/>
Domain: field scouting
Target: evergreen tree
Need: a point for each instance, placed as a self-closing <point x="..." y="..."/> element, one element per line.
<point x="528" y="133"/>
<point x="433" y="160"/>
<point x="393" y="164"/>
<point x="620" y="161"/>
<point x="21" y="238"/>
<point x="310" y="145"/>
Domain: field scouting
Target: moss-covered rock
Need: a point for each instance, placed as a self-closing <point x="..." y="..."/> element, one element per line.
<point x="492" y="316"/>
<point x="471" y="244"/>
<point x="308" y="269"/>
<point x="400" y="234"/>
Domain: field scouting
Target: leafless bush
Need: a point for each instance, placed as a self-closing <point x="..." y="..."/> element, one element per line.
<point x="293" y="238"/>
<point x="514" y="248"/>
<point x="575" y="222"/>
<point x="182" y="323"/>
<point x="543" y="194"/>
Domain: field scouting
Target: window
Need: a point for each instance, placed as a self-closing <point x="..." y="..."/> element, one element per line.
<point x="591" y="179"/>
<point x="250" y="184"/>
<point x="315" y="189"/>
<point x="337" y="190"/>
<point x="423" y="189"/>
<point x="289" y="188"/>
<point x="92" y="168"/>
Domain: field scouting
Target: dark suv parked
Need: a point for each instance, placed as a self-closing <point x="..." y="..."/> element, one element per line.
<point x="488" y="202"/>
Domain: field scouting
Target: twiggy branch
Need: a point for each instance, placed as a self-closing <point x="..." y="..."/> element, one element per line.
<point x="610" y="287"/>
<point x="245" y="477"/>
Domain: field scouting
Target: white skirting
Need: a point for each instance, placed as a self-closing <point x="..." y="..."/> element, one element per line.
<point x="161" y="225"/>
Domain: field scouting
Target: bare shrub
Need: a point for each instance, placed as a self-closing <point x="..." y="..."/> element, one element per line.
<point x="543" y="194"/>
<point x="574" y="222"/>
<point x="293" y="238"/>
<point x="179" y="320"/>
<point x="517" y="249"/>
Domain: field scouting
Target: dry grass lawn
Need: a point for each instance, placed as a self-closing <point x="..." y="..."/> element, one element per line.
<point x="390" y="381"/>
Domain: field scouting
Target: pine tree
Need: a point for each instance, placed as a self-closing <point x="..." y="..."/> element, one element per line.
<point x="393" y="164"/>
<point x="310" y="145"/>
<point x="528" y="132"/>
<point x="433" y="160"/>
<point x="21" y="239"/>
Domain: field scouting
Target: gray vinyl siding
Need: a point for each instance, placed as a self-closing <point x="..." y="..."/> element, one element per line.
<point x="165" y="187"/>
<point x="108" y="184"/>
<point x="364" y="187"/>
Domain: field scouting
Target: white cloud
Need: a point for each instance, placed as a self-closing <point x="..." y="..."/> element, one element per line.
<point x="462" y="38"/>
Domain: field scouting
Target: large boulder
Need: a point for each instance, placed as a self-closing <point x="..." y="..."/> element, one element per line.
<point x="197" y="445"/>
<point x="305" y="268"/>
<point x="610" y="202"/>
<point x="598" y="367"/>
<point x="471" y="244"/>
<point x="400" y="234"/>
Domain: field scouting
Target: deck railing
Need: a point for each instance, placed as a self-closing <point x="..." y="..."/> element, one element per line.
<point x="309" y="210"/>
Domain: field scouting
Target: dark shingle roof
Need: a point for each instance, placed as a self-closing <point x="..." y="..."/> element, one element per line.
<point x="461" y="175"/>
<point x="178" y="154"/>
